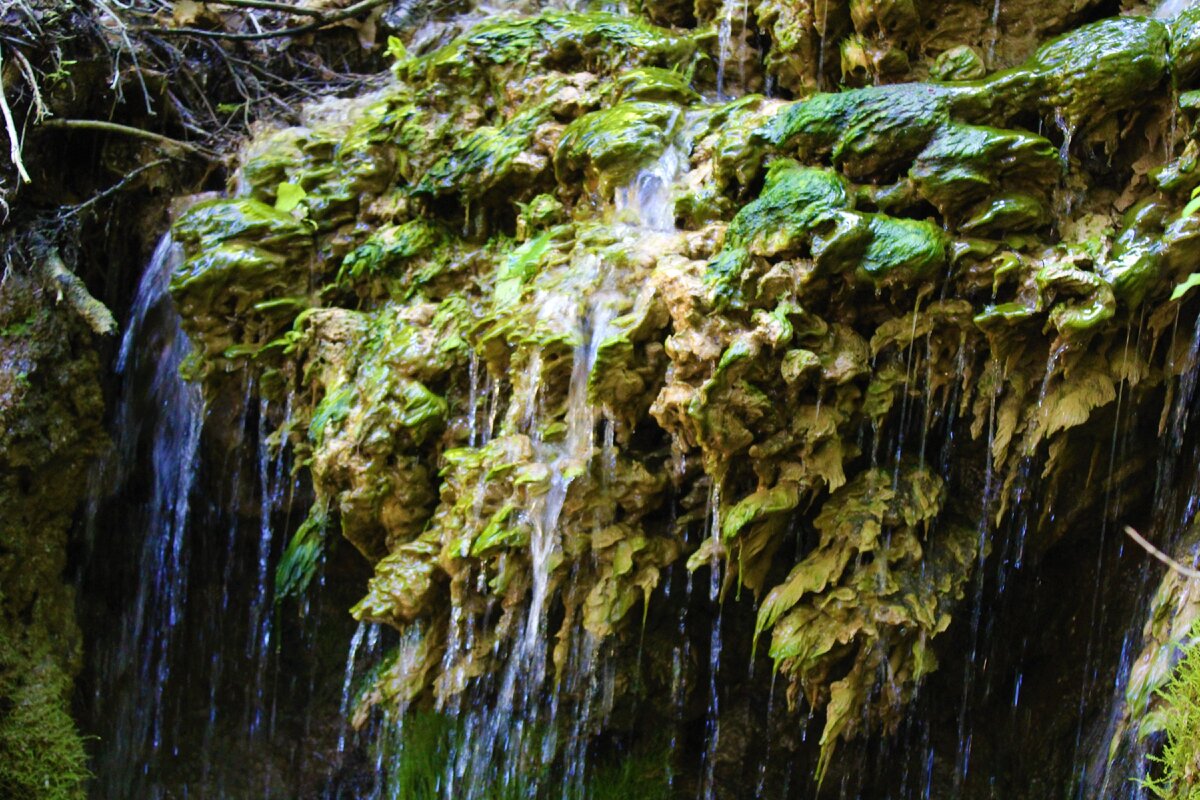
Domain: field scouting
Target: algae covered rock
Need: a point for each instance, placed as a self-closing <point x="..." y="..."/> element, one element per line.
<point x="611" y="145"/>
<point x="884" y="609"/>
<point x="961" y="63"/>
<point x="559" y="319"/>
<point x="808" y="212"/>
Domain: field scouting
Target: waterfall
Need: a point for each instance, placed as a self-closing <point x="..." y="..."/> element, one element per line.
<point x="159" y="416"/>
<point x="500" y="734"/>
<point x="731" y="22"/>
<point x="186" y="684"/>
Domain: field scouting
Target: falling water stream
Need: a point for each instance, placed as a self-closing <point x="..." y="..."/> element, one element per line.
<point x="191" y="673"/>
<point x="160" y="417"/>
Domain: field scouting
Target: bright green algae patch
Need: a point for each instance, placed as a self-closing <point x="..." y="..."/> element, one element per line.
<point x="456" y="254"/>
<point x="612" y="144"/>
<point x="808" y="212"/>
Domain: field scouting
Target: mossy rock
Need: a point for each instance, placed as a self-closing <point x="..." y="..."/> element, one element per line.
<point x="609" y="146"/>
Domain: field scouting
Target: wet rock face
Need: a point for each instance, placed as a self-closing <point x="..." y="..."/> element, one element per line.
<point x="50" y="428"/>
<point x="558" y="319"/>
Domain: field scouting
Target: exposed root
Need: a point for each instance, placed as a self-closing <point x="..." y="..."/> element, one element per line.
<point x="14" y="141"/>
<point x="324" y="22"/>
<point x="70" y="288"/>
<point x="267" y="5"/>
<point x="39" y="107"/>
<point x="126" y="130"/>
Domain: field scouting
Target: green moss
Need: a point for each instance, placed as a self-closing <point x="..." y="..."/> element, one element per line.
<point x="961" y="63"/>
<point x="656" y="85"/>
<point x="1135" y="265"/>
<point x="521" y="265"/>
<point x="966" y="165"/>
<point x="41" y="753"/>
<point x="611" y="145"/>
<point x="390" y="248"/>
<point x="302" y="557"/>
<point x="488" y="158"/>
<point x="401" y="588"/>
<point x="808" y="211"/>
<point x="873" y="132"/>
<point x="1185" y="47"/>
<point x="1084" y="299"/>
<point x="1081" y="77"/>
<point x="211" y="223"/>
<point x="419" y="750"/>
<point x="245" y="276"/>
<point x="51" y="429"/>
<point x="902" y="250"/>
<point x="793" y="202"/>
<point x="538" y="214"/>
<point x="595" y="42"/>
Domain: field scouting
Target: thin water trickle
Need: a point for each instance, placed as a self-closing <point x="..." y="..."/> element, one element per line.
<point x="192" y="670"/>
<point x="1022" y="503"/>
<point x="995" y="35"/>
<point x="712" y="724"/>
<point x="473" y="400"/>
<point x="515" y="721"/>
<point x="233" y="468"/>
<point x="731" y="10"/>
<point x="1169" y="9"/>
<point x="1068" y="133"/>
<point x="765" y="762"/>
<point x="963" y="760"/>
<point x="823" y="22"/>
<point x="1096" y="617"/>
<point x="348" y="680"/>
<point x="272" y="483"/>
<point x="1115" y="772"/>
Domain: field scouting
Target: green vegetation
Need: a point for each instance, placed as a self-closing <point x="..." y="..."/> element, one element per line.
<point x="41" y="753"/>
<point x="1180" y="758"/>
<point x="418" y="749"/>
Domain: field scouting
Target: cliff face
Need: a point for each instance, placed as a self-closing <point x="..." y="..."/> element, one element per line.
<point x="684" y="375"/>
<point x="567" y="310"/>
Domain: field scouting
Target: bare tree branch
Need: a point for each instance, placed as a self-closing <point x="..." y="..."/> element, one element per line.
<point x="14" y="141"/>
<point x="69" y="211"/>
<point x="1187" y="572"/>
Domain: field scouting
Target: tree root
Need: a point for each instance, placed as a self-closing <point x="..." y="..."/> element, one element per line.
<point x="14" y="141"/>
<point x="325" y="21"/>
<point x="126" y="130"/>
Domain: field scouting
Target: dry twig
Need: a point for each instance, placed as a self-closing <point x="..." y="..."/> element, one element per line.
<point x="1187" y="572"/>
<point x="70" y="211"/>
